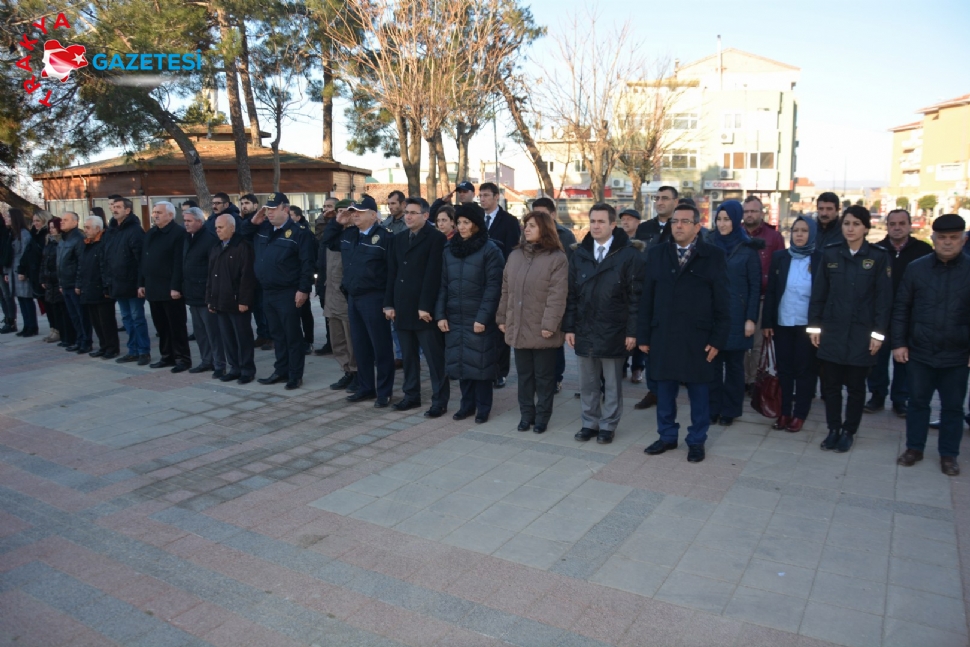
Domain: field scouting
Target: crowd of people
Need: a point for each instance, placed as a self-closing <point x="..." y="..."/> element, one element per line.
<point x="463" y="284"/>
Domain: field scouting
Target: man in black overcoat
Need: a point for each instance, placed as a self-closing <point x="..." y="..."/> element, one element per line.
<point x="684" y="321"/>
<point x="413" y="282"/>
<point x="160" y="282"/>
<point x="195" y="273"/>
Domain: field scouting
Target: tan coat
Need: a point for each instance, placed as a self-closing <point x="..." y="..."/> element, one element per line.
<point x="335" y="303"/>
<point x="534" y="290"/>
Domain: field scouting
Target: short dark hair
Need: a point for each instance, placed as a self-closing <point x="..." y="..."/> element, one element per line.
<point x="295" y="209"/>
<point x="909" y="218"/>
<point x="683" y="206"/>
<point x="190" y="203"/>
<point x="544" y="203"/>
<point x="860" y="213"/>
<point x="830" y="198"/>
<point x="397" y="194"/>
<point x="99" y="212"/>
<point x="448" y="210"/>
<point x="251" y="197"/>
<point x="607" y="207"/>
<point x="491" y="187"/>
<point x="752" y="198"/>
<point x="671" y="189"/>
<point x="125" y="201"/>
<point x="420" y="202"/>
<point x="222" y="196"/>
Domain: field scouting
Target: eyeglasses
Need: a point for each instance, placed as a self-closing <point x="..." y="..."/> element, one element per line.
<point x="682" y="221"/>
<point x="217" y="203"/>
<point x="412" y="213"/>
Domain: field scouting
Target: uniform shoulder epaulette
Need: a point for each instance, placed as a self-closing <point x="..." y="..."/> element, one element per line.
<point x="879" y="247"/>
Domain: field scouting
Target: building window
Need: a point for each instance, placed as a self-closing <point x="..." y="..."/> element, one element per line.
<point x="761" y="160"/>
<point x="681" y="121"/>
<point x="680" y="159"/>
<point x="734" y="161"/>
<point x="551" y="167"/>
<point x="579" y="166"/>
<point x="732" y="120"/>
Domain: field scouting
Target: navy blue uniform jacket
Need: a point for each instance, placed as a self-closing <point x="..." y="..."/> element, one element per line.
<point x="284" y="258"/>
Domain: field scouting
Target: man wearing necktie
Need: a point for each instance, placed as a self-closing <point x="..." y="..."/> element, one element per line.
<point x="605" y="274"/>
<point x="683" y="322"/>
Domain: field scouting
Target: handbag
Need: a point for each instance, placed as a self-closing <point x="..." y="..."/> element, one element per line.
<point x="766" y="393"/>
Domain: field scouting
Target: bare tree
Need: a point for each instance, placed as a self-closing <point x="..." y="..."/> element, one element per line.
<point x="243" y="65"/>
<point x="517" y="101"/>
<point x="586" y="74"/>
<point x="643" y="125"/>
<point x="229" y="36"/>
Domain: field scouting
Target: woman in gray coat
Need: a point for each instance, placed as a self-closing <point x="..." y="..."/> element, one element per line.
<point x="20" y="287"/>
<point x="534" y="290"/>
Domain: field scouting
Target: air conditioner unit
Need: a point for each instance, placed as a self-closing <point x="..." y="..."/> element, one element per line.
<point x="687" y="184"/>
<point x="727" y="137"/>
<point x="616" y="184"/>
<point x="727" y="174"/>
<point x="715" y="196"/>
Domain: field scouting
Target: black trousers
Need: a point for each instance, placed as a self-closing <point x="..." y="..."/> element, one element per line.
<point x="170" y="319"/>
<point x="102" y="317"/>
<point x="726" y="392"/>
<point x="61" y="321"/>
<point x="431" y="342"/>
<point x="236" y="332"/>
<point x="476" y="395"/>
<point x="370" y="333"/>
<point x="536" y="370"/>
<point x="504" y="356"/>
<point x="283" y="319"/>
<point x="853" y="378"/>
<point x="797" y="370"/>
<point x="306" y="320"/>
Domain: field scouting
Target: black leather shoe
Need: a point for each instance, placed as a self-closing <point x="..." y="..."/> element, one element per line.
<point x="604" y="437"/>
<point x="113" y="354"/>
<point x="461" y="414"/>
<point x="229" y="377"/>
<point x="326" y="349"/>
<point x="218" y="373"/>
<point x="267" y="346"/>
<point x="245" y="379"/>
<point x="500" y="383"/>
<point x="659" y="447"/>
<point x="360" y="397"/>
<point x="714" y="418"/>
<point x="434" y="412"/>
<point x="874" y="405"/>
<point x="832" y="440"/>
<point x="144" y="360"/>
<point x="201" y="368"/>
<point x="293" y="384"/>
<point x="181" y="368"/>
<point x="124" y="359"/>
<point x="726" y="422"/>
<point x="406" y="405"/>
<point x="63" y="344"/>
<point x="899" y="410"/>
<point x="695" y="453"/>
<point x="161" y="364"/>
<point x="525" y="425"/>
<point x="845" y="442"/>
<point x="96" y="353"/>
<point x="272" y="379"/>
<point x="354" y="385"/>
<point x="83" y="350"/>
<point x="343" y="382"/>
<point x="540" y="428"/>
<point x="585" y="434"/>
<point x="382" y="403"/>
<point x="479" y="420"/>
<point x="72" y="348"/>
<point x="934" y="424"/>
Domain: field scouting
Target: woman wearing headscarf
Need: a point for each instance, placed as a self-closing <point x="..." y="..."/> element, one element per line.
<point x="744" y="273"/>
<point x="471" y="286"/>
<point x="848" y="317"/>
<point x="784" y="318"/>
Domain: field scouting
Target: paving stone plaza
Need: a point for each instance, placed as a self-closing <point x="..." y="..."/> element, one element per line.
<point x="145" y="509"/>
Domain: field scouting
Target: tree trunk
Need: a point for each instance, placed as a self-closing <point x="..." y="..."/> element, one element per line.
<point x="247" y="86"/>
<point x="16" y="200"/>
<point x="431" y="180"/>
<point x="410" y="146"/>
<point x="444" y="183"/>
<point x="463" y="136"/>
<point x="328" y="92"/>
<point x="530" y="145"/>
<point x="276" y="146"/>
<point x="235" y="109"/>
<point x="168" y="123"/>
<point x="637" y="191"/>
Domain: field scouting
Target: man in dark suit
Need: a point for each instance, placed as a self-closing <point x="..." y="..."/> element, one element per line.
<point x="413" y="281"/>
<point x="195" y="274"/>
<point x="655" y="230"/>
<point x="504" y="230"/>
<point x="684" y="321"/>
<point x="160" y="282"/>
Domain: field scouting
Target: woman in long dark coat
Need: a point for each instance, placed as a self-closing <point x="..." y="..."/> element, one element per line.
<point x="471" y="286"/>
<point x="62" y="330"/>
<point x="848" y="318"/>
<point x="744" y="272"/>
<point x="18" y="278"/>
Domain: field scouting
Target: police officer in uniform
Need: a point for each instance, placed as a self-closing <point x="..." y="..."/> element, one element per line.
<point x="364" y="246"/>
<point x="284" y="269"/>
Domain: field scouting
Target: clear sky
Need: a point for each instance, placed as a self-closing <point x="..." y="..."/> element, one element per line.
<point x="866" y="66"/>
